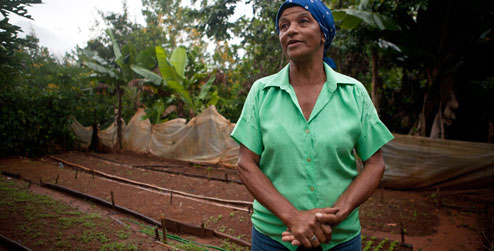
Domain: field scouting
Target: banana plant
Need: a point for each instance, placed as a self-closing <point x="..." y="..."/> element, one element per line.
<point x="121" y="74"/>
<point x="155" y="112"/>
<point x="352" y="18"/>
<point x="172" y="71"/>
<point x="364" y="15"/>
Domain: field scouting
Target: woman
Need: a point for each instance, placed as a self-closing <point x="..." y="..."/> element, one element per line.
<point x="297" y="132"/>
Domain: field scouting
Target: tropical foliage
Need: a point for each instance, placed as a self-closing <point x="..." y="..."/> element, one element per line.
<point x="426" y="64"/>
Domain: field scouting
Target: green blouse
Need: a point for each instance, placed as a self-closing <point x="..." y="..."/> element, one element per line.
<point x="311" y="162"/>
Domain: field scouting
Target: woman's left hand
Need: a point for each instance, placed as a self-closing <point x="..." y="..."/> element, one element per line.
<point x="328" y="217"/>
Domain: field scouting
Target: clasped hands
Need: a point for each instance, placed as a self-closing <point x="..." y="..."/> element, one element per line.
<point x="311" y="228"/>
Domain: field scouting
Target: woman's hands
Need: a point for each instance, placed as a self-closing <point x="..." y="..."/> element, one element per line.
<point x="311" y="228"/>
<point x="359" y="191"/>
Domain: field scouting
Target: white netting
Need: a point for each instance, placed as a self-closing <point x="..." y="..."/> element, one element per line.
<point x="411" y="162"/>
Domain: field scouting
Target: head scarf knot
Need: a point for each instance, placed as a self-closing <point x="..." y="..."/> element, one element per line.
<point x="323" y="16"/>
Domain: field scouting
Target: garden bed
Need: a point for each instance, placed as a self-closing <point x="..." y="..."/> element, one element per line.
<point x="383" y="216"/>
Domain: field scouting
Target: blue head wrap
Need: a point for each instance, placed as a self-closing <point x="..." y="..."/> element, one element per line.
<point x="323" y="16"/>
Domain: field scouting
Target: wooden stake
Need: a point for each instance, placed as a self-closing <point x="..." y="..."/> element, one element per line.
<point x="226" y="177"/>
<point x="163" y="227"/>
<point x="29" y="185"/>
<point x="56" y="181"/>
<point x="40" y="181"/>
<point x="112" y="200"/>
<point x="171" y="198"/>
<point x="203" y="231"/>
<point x="156" y="233"/>
<point x="402" y="233"/>
<point x="438" y="194"/>
<point x="92" y="172"/>
<point x="76" y="173"/>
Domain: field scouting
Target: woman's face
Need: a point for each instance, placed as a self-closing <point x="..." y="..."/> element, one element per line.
<point x="300" y="34"/>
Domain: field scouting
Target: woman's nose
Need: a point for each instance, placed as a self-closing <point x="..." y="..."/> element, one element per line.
<point x="292" y="29"/>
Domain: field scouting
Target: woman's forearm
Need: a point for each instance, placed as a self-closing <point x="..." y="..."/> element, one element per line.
<point x="362" y="187"/>
<point x="263" y="189"/>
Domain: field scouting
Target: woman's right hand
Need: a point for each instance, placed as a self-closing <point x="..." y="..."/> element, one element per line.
<point x="304" y="225"/>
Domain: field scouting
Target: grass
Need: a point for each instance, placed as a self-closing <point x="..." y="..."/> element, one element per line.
<point x="118" y="246"/>
<point x="228" y="245"/>
<point x="47" y="224"/>
<point x="380" y="244"/>
<point x="393" y="245"/>
<point x="213" y="220"/>
<point x="123" y="235"/>
<point x="89" y="236"/>
<point x="187" y="247"/>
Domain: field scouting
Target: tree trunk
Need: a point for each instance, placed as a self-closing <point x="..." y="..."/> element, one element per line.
<point x="422" y="122"/>
<point x="119" y="118"/>
<point x="437" y="83"/>
<point x="376" y="85"/>
<point x="437" y="130"/>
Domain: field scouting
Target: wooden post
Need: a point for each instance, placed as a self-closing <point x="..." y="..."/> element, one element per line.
<point x="56" y="181"/>
<point x="156" y="233"/>
<point x="402" y="233"/>
<point x="29" y="185"/>
<point x="171" y="197"/>
<point x="40" y="181"/>
<point x="163" y="227"/>
<point x="92" y="172"/>
<point x="76" y="172"/>
<point x="438" y="196"/>
<point x="112" y="200"/>
<point x="203" y="231"/>
<point x="226" y="177"/>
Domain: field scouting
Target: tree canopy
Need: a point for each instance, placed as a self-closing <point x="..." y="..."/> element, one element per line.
<point x="426" y="64"/>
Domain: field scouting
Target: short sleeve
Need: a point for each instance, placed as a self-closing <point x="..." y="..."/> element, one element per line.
<point x="374" y="133"/>
<point x="247" y="130"/>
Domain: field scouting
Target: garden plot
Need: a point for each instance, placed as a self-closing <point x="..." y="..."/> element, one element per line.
<point x="383" y="217"/>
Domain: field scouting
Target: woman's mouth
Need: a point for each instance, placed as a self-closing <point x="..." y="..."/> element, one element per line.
<point x="293" y="43"/>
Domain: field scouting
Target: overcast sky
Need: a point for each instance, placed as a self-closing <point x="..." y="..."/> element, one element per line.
<point x="60" y="25"/>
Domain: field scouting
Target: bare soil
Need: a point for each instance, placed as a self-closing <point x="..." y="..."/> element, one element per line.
<point x="33" y="218"/>
<point x="384" y="215"/>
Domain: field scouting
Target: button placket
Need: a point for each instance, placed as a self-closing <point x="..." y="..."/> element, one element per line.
<point x="312" y="171"/>
<point x="309" y="144"/>
<point x="310" y="161"/>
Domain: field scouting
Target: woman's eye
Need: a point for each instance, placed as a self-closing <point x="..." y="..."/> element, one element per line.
<point x="283" y="26"/>
<point x="303" y="21"/>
